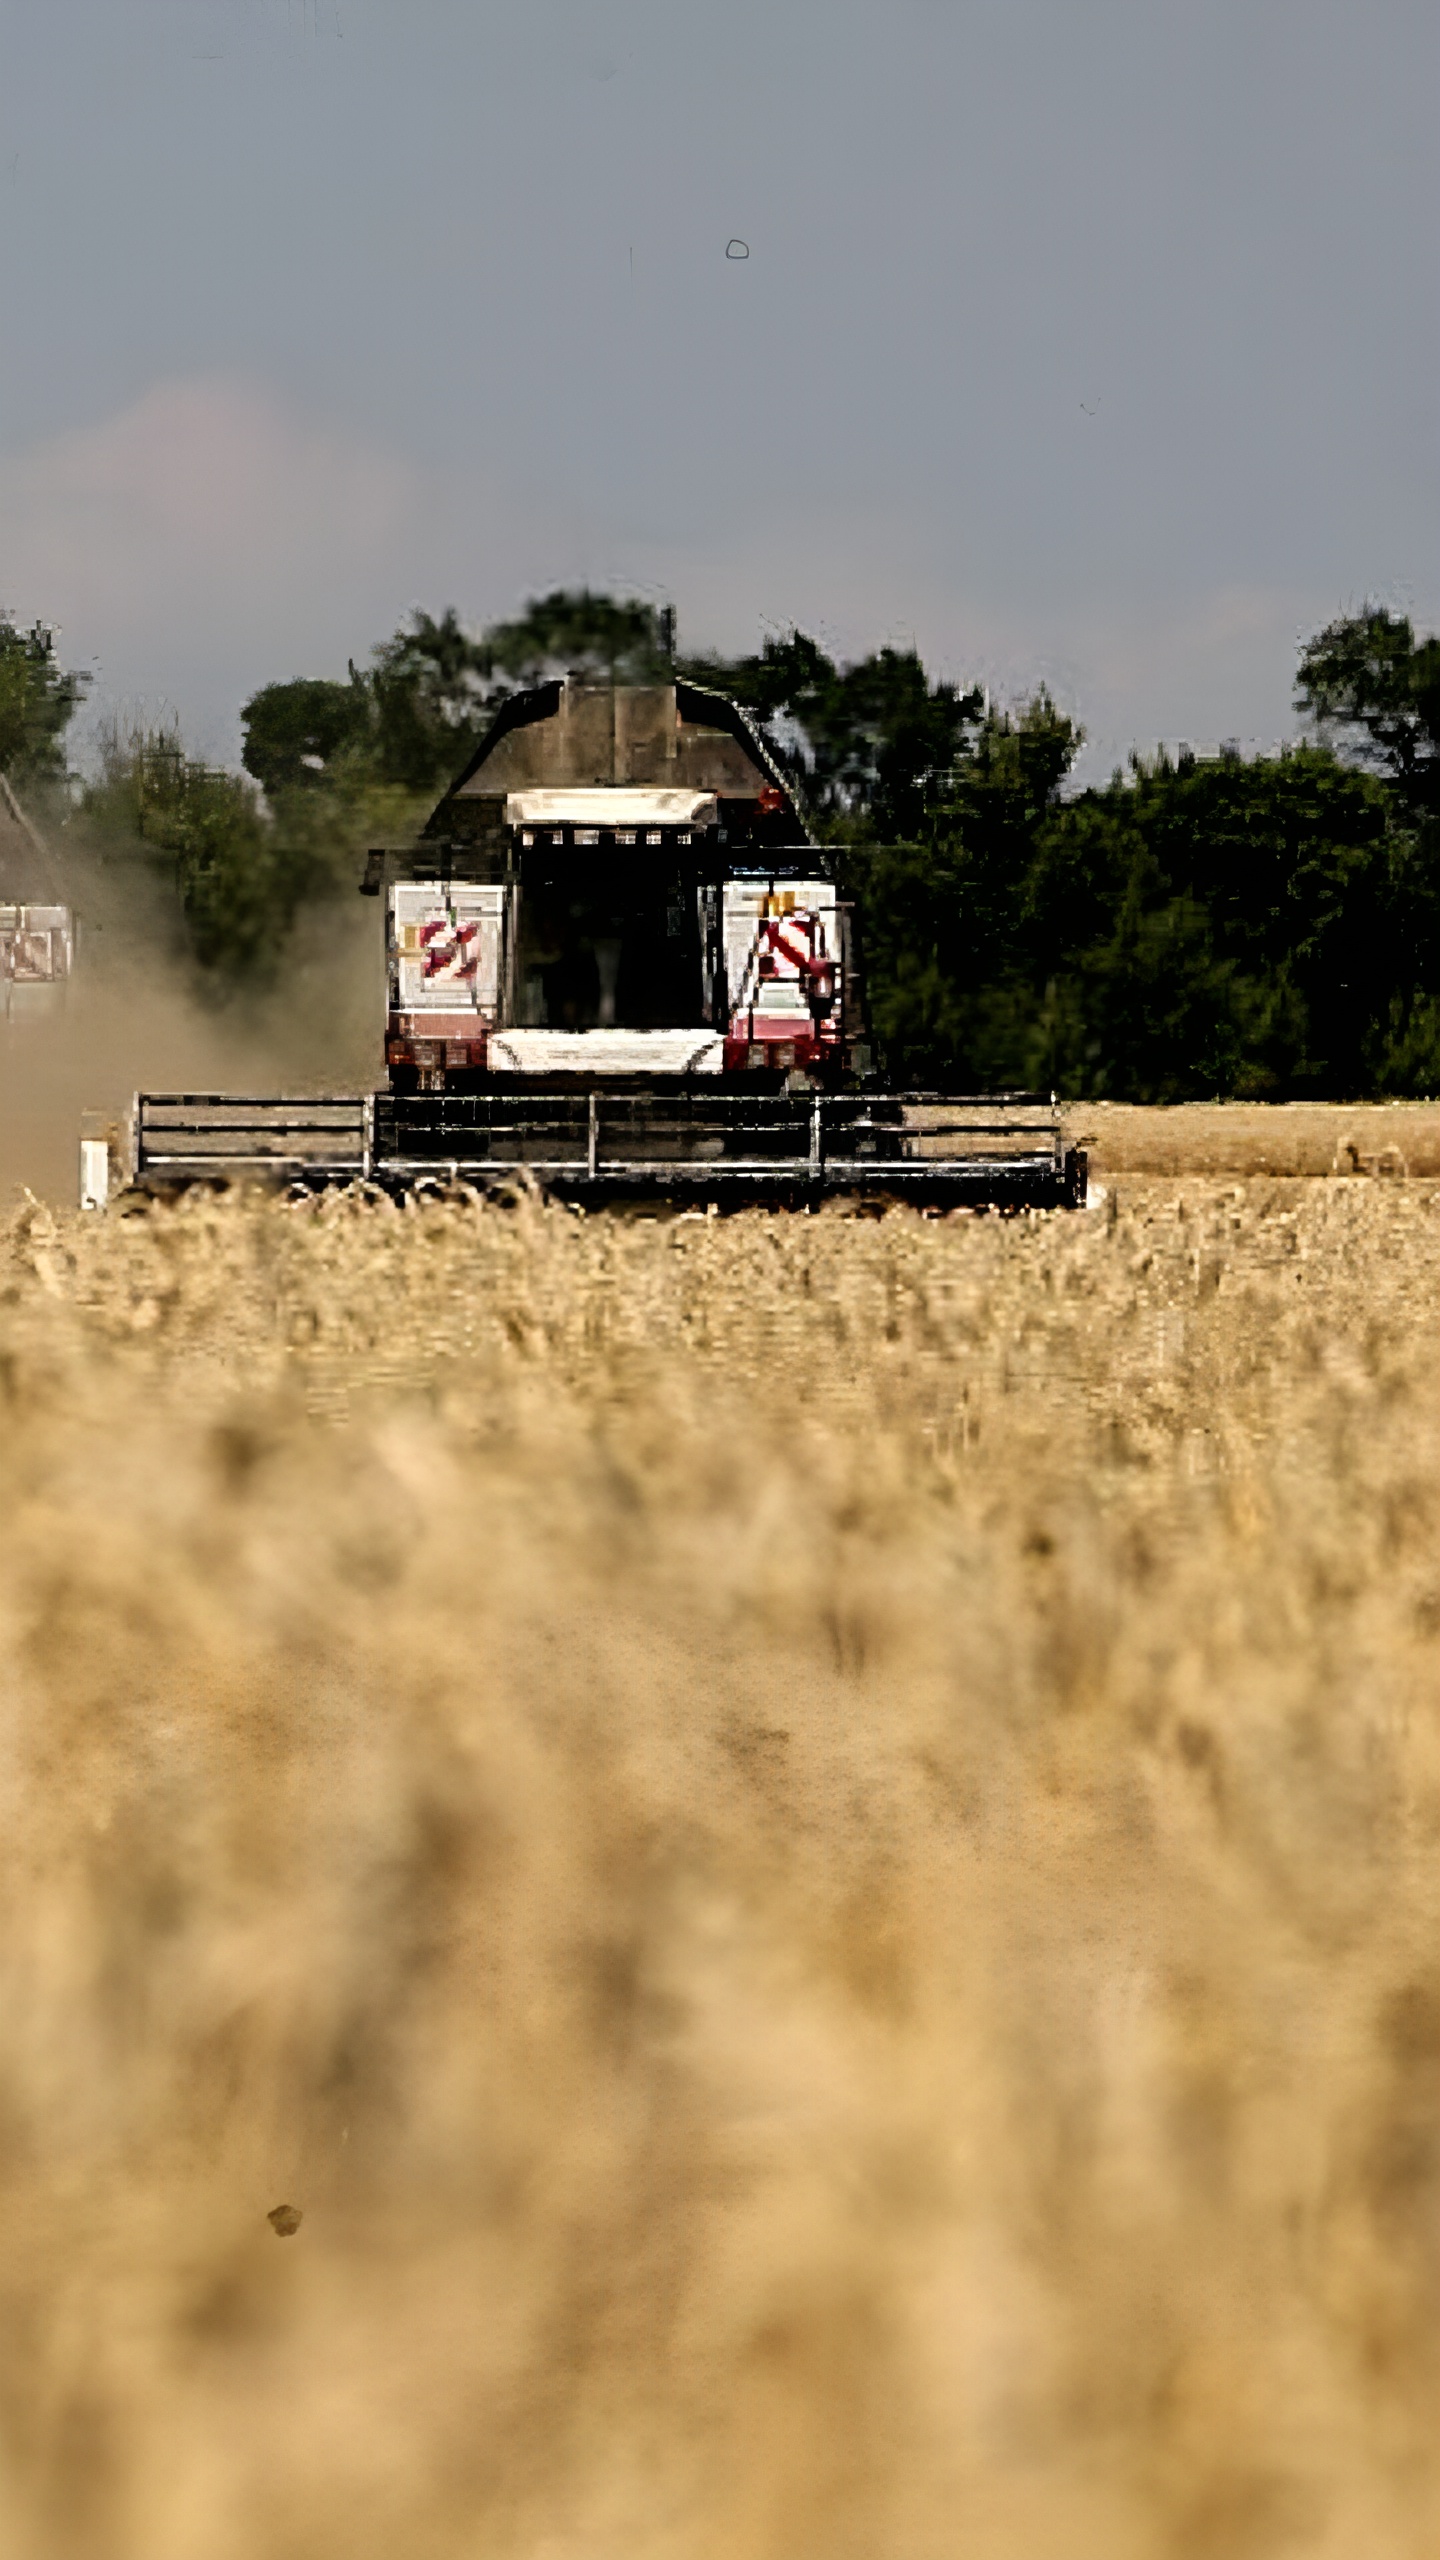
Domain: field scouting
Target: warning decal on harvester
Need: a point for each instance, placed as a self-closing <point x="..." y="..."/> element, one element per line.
<point x="447" y="946"/>
<point x="781" y="953"/>
<point x="449" y="950"/>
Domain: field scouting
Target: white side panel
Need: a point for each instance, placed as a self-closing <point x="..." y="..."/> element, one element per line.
<point x="446" y="946"/>
<point x="767" y="928"/>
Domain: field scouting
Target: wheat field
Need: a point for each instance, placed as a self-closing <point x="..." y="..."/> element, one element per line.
<point x="806" y="1845"/>
<point x="1392" y="1140"/>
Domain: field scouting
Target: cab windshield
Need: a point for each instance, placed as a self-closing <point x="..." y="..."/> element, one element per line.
<point x="605" y="946"/>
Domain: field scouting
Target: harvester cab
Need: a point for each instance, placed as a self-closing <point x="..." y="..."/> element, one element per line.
<point x="620" y="885"/>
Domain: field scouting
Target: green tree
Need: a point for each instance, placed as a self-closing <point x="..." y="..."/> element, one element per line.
<point x="1369" y="679"/>
<point x="945" y="916"/>
<point x="294" y="732"/>
<point x="38" y="699"/>
<point x="1223" y="925"/>
<point x="1198" y="926"/>
<point x="574" y="631"/>
<point x="412" y="717"/>
<point x="431" y="700"/>
<point x="205" y="831"/>
<point x="240" y="871"/>
<point x="874" y="742"/>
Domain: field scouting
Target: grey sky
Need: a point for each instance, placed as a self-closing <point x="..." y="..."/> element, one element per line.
<point x="1085" y="340"/>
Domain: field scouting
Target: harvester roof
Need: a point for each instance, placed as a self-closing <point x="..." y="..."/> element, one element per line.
<point x="578" y="736"/>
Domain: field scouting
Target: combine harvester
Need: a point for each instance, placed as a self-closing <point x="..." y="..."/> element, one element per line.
<point x="619" y="967"/>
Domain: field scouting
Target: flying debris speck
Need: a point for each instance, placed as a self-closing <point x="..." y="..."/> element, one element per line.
<point x="737" y="248"/>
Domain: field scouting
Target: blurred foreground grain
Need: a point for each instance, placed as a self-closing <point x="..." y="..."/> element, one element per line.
<point x="807" y="1845"/>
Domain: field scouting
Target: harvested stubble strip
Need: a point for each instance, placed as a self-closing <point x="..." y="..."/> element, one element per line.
<point x="807" y="1847"/>
<point x="1395" y="1140"/>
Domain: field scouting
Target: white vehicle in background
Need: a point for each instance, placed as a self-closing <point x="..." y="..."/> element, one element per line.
<point x="37" y="954"/>
<point x="37" y="932"/>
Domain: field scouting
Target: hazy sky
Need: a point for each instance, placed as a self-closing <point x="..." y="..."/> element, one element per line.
<point x="1086" y="340"/>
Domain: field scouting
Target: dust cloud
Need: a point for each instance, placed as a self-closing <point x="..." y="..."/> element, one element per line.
<point x="805" y="1849"/>
<point x="137" y="1015"/>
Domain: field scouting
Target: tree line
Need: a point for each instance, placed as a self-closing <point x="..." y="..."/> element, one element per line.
<point x="1261" y="926"/>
